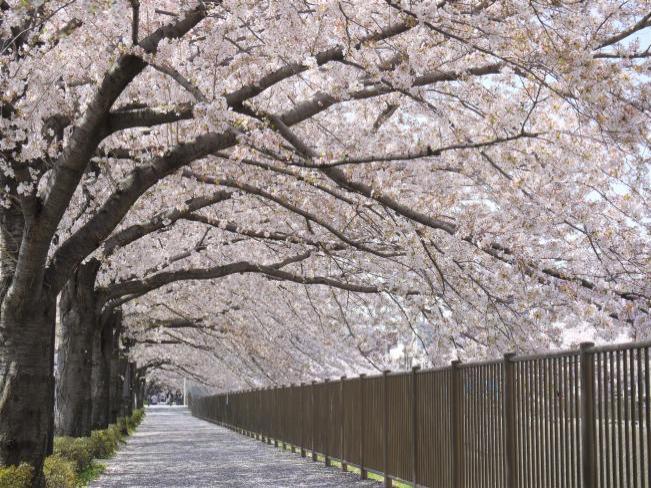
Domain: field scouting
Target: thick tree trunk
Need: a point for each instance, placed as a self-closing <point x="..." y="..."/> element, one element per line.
<point x="27" y="321"/>
<point x="79" y="325"/>
<point x="133" y="388"/>
<point x="117" y="382"/>
<point x="127" y="390"/>
<point x="26" y="383"/>
<point x="140" y="392"/>
<point x="101" y="374"/>
<point x="116" y="377"/>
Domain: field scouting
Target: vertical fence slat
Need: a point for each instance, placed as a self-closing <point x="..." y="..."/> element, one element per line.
<point x="414" y="424"/>
<point x="342" y="425"/>
<point x="313" y="405"/>
<point x="647" y="365"/>
<point x="302" y="419"/>
<point x="326" y="404"/>
<point x="456" y="423"/>
<point x="643" y="463"/>
<point x="587" y="415"/>
<point x="613" y="413"/>
<point x="509" y="420"/>
<point x="385" y="428"/>
<point x="634" y="445"/>
<point x="362" y="419"/>
<point x="620" y="434"/>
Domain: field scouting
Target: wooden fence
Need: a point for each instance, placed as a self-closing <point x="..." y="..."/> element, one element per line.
<point x="576" y="419"/>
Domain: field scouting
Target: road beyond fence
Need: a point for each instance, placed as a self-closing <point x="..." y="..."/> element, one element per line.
<point x="572" y="419"/>
<point x="173" y="449"/>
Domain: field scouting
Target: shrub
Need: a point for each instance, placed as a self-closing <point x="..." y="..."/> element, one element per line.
<point x="90" y="474"/>
<point x="123" y="426"/>
<point x="16" y="476"/>
<point x="59" y="472"/>
<point x="130" y="424"/>
<point x="113" y="431"/>
<point x="73" y="455"/>
<point x="104" y="442"/>
<point x="134" y="420"/>
<point x="76" y="449"/>
<point x="137" y="416"/>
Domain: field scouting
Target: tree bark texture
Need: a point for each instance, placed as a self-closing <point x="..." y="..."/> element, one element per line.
<point x="79" y="323"/>
<point x="127" y="390"/>
<point x="101" y="373"/>
<point x="27" y="321"/>
<point x="26" y="384"/>
<point x="116" y="377"/>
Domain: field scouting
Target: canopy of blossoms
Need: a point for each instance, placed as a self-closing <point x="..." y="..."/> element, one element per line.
<point x="292" y="189"/>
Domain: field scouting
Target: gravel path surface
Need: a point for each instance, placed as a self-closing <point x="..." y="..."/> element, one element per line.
<point x="173" y="449"/>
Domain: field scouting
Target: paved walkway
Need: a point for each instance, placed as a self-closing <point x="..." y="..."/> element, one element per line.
<point x="173" y="449"/>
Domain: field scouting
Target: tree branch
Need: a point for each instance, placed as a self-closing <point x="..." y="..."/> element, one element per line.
<point x="161" y="220"/>
<point x="241" y="267"/>
<point x="147" y="117"/>
<point x="234" y="228"/>
<point x="135" y="20"/>
<point x="90" y="236"/>
<point x="253" y="190"/>
<point x="83" y="143"/>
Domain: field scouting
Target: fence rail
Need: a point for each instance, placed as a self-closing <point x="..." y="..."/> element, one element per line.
<point x="576" y="419"/>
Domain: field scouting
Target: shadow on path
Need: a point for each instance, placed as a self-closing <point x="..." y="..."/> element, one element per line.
<point x="173" y="449"/>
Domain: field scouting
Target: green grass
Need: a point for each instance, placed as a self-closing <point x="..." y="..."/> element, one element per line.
<point x="91" y="473"/>
<point x="334" y="463"/>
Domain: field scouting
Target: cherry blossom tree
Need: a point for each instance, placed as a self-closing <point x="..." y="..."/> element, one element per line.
<point x="478" y="169"/>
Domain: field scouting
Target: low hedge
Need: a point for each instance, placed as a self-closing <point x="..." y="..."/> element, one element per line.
<point x="60" y="472"/>
<point x="79" y="450"/>
<point x="138" y="416"/>
<point x="16" y="476"/>
<point x="104" y="442"/>
<point x="72" y="456"/>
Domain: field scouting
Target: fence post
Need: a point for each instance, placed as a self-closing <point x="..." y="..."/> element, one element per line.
<point x="270" y="430"/>
<point x="258" y="409"/>
<point x="262" y="417"/>
<point x="362" y="472"/>
<point x="279" y="415"/>
<point x="588" y="458"/>
<point x="314" y="456"/>
<point x="276" y="414"/>
<point x="261" y="411"/>
<point x="283" y="402"/>
<point x="288" y="401"/>
<point x="509" y="420"/>
<point x="385" y="388"/>
<point x="456" y="423"/>
<point x="326" y="426"/>
<point x="254" y="413"/>
<point x="342" y="412"/>
<point x="288" y="406"/>
<point x="414" y="423"/>
<point x="302" y="402"/>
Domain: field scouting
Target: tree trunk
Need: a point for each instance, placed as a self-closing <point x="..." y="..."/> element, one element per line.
<point x="101" y="374"/>
<point x="140" y="392"/>
<point x="133" y="388"/>
<point x="26" y="383"/>
<point x="117" y="374"/>
<point x="127" y="390"/>
<point x="117" y="381"/>
<point x="27" y="321"/>
<point x="79" y="324"/>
